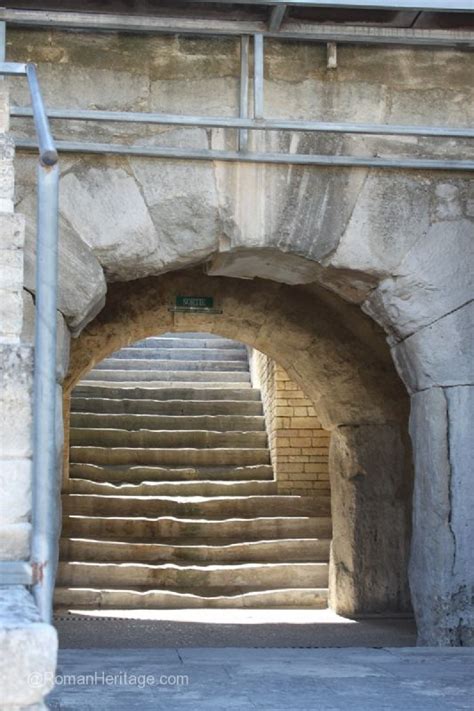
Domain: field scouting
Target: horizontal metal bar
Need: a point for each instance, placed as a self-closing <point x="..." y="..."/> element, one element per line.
<point x="48" y="154"/>
<point x="305" y="31"/>
<point x="15" y="572"/>
<point x="235" y="156"/>
<point x="248" y="123"/>
<point x="12" y="69"/>
<point x="430" y="5"/>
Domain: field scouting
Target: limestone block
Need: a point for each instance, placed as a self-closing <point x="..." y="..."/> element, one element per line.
<point x="11" y="273"/>
<point x="12" y="231"/>
<point x="28" y="650"/>
<point x="442" y="556"/>
<point x="15" y="541"/>
<point x="11" y="315"/>
<point x="81" y="281"/>
<point x="4" y="108"/>
<point x="63" y="335"/>
<point x="15" y="485"/>
<point x="389" y="217"/>
<point x="370" y="489"/>
<point x="16" y="380"/>
<point x="440" y="354"/>
<point x="7" y="174"/>
<point x="106" y="209"/>
<point x="434" y="278"/>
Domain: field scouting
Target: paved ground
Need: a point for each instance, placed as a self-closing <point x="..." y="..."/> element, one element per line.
<point x="411" y="679"/>
<point x="234" y="628"/>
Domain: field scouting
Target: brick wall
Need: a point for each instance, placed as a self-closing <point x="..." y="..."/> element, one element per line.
<point x="298" y="443"/>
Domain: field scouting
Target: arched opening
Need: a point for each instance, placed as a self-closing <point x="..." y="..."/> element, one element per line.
<point x="340" y="361"/>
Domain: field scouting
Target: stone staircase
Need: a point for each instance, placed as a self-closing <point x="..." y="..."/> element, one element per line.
<point x="172" y="500"/>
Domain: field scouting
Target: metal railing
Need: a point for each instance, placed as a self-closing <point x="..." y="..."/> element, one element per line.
<point x="41" y="571"/>
<point x="255" y="123"/>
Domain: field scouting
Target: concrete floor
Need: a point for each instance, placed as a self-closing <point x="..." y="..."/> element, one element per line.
<point x="231" y="628"/>
<point x="410" y="679"/>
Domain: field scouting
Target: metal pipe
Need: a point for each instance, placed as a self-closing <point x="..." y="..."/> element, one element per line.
<point x="429" y="5"/>
<point x="44" y="545"/>
<point x="292" y="30"/>
<point x="48" y="153"/>
<point x="244" y="89"/>
<point x="276" y="18"/>
<point x="258" y="76"/>
<point x="235" y="156"/>
<point x="248" y="123"/>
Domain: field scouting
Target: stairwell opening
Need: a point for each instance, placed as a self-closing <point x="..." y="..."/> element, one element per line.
<point x="198" y="478"/>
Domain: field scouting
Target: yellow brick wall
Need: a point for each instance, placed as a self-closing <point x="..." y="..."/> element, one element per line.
<point x="298" y="443"/>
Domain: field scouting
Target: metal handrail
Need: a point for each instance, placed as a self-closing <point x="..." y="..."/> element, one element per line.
<point x="41" y="572"/>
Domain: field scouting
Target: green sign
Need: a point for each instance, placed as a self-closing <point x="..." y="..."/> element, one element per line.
<point x="195" y="302"/>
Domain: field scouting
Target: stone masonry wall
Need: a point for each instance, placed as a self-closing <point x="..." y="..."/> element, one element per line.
<point x="299" y="445"/>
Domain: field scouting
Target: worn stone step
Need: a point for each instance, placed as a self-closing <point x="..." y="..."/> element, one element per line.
<point x="200" y="376"/>
<point x="167" y="527"/>
<point x="133" y="474"/>
<point x="233" y="456"/>
<point x="188" y="354"/>
<point x="139" y="421"/>
<point x="189" y="341"/>
<point x="167" y="393"/>
<point x="180" y="384"/>
<point x="155" y="365"/>
<point x="102" y="437"/>
<point x="255" y="576"/>
<point x="286" y="549"/>
<point x="173" y="488"/>
<point x="84" y="598"/>
<point x="215" y="507"/>
<point x="237" y="408"/>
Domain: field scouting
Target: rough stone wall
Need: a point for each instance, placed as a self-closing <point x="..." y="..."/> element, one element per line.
<point x="299" y="446"/>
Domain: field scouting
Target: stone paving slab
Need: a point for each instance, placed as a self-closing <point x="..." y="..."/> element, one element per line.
<point x="359" y="679"/>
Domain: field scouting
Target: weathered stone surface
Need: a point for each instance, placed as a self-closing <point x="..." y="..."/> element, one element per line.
<point x="11" y="315"/>
<point x="16" y="379"/>
<point x="81" y="281"/>
<point x="28" y="650"/>
<point x="107" y="210"/>
<point x="63" y="335"/>
<point x="435" y="277"/>
<point x="7" y="173"/>
<point x="15" y="541"/>
<point x="370" y="489"/>
<point x="442" y="555"/>
<point x="440" y="354"/>
<point x="15" y="485"/>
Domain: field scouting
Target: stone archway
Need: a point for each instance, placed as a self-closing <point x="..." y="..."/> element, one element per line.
<point x="344" y="369"/>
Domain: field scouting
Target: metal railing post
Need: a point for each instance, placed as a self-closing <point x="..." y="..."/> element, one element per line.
<point x="244" y="90"/>
<point x="44" y="546"/>
<point x="258" y="76"/>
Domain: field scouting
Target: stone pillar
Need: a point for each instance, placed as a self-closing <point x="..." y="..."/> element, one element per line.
<point x="442" y="555"/>
<point x="370" y="499"/>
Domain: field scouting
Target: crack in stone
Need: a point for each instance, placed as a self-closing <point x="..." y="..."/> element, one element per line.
<point x="450" y="481"/>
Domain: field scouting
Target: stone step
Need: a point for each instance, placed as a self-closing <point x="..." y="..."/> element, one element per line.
<point x="134" y="474"/>
<point x="246" y="408"/>
<point x="233" y="456"/>
<point x="189" y="341"/>
<point x="231" y="530"/>
<point x="138" y="421"/>
<point x="167" y="393"/>
<point x="173" y="488"/>
<point x="254" y="576"/>
<point x="101" y="437"/>
<point x="188" y="354"/>
<point x="156" y="365"/>
<point x="200" y="507"/>
<point x="83" y="598"/>
<point x="167" y="384"/>
<point x="285" y="549"/>
<point x="125" y="376"/>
